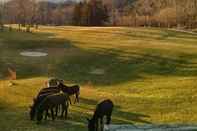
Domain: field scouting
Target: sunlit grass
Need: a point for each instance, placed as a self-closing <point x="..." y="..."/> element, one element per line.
<point x="150" y="74"/>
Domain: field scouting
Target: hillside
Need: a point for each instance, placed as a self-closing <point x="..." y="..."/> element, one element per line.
<point x="149" y="73"/>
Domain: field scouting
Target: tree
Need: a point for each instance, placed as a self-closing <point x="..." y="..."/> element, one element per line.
<point x="2" y="16"/>
<point x="92" y="13"/>
<point x="98" y="13"/>
<point x="162" y="13"/>
<point x="166" y="17"/>
<point x="77" y="14"/>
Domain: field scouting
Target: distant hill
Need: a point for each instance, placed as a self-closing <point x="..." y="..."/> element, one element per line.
<point x="55" y="1"/>
<point x="59" y="0"/>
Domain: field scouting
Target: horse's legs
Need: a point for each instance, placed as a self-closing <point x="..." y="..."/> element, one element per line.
<point x="77" y="97"/>
<point x="52" y="114"/>
<point x="70" y="101"/>
<point x="96" y="125"/>
<point x="63" y="109"/>
<point x="46" y="114"/>
<point x="101" y="123"/>
<point x="66" y="110"/>
<point x="108" y="119"/>
<point x="56" y="110"/>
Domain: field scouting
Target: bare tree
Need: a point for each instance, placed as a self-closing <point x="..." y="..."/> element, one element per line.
<point x="2" y="16"/>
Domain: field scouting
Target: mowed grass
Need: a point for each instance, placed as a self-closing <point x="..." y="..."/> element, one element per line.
<point x="150" y="74"/>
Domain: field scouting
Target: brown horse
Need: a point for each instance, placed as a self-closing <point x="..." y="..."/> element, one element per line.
<point x="70" y="90"/>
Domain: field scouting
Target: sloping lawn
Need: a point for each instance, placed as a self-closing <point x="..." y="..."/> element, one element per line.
<point x="150" y="74"/>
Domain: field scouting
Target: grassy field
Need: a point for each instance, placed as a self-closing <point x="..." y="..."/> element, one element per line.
<point x="150" y="74"/>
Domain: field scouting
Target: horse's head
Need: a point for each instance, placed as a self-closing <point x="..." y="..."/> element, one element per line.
<point x="32" y="112"/>
<point x="61" y="81"/>
<point x="39" y="116"/>
<point x="34" y="100"/>
<point x="91" y="124"/>
<point x="62" y="86"/>
<point x="53" y="82"/>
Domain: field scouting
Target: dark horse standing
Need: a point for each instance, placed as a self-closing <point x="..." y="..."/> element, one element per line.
<point x="40" y="97"/>
<point x="70" y="90"/>
<point x="104" y="108"/>
<point x="52" y="101"/>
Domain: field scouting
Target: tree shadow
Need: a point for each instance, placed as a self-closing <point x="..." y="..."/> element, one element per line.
<point x="87" y="101"/>
<point x="18" y="118"/>
<point x="119" y="70"/>
<point x="2" y="105"/>
<point x="122" y="117"/>
<point x="75" y="64"/>
<point x="119" y="116"/>
<point x="28" y="67"/>
<point x="152" y="34"/>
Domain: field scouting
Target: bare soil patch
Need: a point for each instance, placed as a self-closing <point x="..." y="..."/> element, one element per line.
<point x="33" y="54"/>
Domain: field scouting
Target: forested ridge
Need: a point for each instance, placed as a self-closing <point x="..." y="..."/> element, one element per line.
<point x="154" y="13"/>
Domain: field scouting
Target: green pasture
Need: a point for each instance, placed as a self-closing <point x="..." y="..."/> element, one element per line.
<point x="149" y="73"/>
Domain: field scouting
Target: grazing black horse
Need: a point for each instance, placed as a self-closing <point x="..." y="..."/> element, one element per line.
<point x="70" y="90"/>
<point x="104" y="108"/>
<point x="53" y="101"/>
<point x="40" y="97"/>
<point x="36" y="102"/>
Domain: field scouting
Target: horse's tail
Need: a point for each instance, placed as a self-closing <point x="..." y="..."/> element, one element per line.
<point x="78" y="90"/>
<point x="67" y="103"/>
<point x="67" y="107"/>
<point x="69" y="99"/>
<point x="78" y="93"/>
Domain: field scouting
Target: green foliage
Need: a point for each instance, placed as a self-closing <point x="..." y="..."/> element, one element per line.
<point x="93" y="13"/>
<point x="77" y="14"/>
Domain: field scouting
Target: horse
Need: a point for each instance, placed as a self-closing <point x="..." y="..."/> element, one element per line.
<point x="41" y="95"/>
<point x="70" y="90"/>
<point x="53" y="101"/>
<point x="36" y="102"/>
<point x="48" y="90"/>
<point x="104" y="108"/>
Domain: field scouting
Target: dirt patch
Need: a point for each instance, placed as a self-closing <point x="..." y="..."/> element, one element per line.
<point x="1" y="42"/>
<point x="150" y="128"/>
<point x="57" y="52"/>
<point x="33" y="54"/>
<point x="64" y="52"/>
<point x="97" y="71"/>
<point x="184" y="31"/>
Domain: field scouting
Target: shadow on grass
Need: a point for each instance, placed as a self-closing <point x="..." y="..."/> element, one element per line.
<point x="28" y="67"/>
<point x="87" y="101"/>
<point x="3" y="105"/>
<point x="120" y="70"/>
<point x="18" y="118"/>
<point x="75" y="64"/>
<point x="156" y="34"/>
<point x="122" y="117"/>
<point x="119" y="116"/>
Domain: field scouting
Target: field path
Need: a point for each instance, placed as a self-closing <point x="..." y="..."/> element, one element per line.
<point x="151" y="128"/>
<point x="183" y="31"/>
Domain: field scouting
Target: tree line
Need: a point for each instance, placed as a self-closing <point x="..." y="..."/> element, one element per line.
<point x="154" y="13"/>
